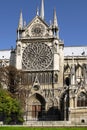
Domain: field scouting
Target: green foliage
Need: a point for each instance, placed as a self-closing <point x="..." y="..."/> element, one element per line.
<point x="10" y="110"/>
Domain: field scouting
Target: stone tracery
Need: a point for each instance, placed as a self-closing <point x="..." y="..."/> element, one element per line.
<point x="37" y="56"/>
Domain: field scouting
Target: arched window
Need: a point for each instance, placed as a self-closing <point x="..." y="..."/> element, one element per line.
<point x="82" y="100"/>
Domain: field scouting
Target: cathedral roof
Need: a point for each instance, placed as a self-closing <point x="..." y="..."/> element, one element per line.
<point x="75" y="51"/>
<point x="5" y="54"/>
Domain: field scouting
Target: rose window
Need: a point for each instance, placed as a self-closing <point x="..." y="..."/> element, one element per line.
<point x="37" y="56"/>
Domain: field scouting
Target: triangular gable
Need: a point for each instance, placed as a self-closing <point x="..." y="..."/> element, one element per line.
<point x="38" y="25"/>
<point x="37" y="18"/>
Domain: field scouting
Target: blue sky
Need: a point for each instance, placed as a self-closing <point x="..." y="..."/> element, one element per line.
<point x="72" y="19"/>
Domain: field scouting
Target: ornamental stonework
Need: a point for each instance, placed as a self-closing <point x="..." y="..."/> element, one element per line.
<point x="37" y="56"/>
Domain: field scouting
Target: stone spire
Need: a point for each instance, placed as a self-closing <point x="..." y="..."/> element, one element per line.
<point x="20" y="25"/>
<point x="42" y="10"/>
<point x="55" y="23"/>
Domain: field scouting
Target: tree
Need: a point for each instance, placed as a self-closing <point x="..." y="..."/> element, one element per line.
<point x="10" y="108"/>
<point x="10" y="77"/>
<point x="13" y="79"/>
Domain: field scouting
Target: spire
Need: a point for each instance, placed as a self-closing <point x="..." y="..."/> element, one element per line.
<point x="42" y="10"/>
<point x="37" y="11"/>
<point x="20" y="25"/>
<point x="55" y="23"/>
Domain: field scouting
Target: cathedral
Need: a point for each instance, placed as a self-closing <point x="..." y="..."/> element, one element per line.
<point x="54" y="77"/>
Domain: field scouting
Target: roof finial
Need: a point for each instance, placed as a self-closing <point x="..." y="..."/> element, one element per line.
<point x="20" y="25"/>
<point x="42" y="10"/>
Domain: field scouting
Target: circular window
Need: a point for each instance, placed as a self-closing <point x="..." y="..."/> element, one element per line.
<point x="37" y="56"/>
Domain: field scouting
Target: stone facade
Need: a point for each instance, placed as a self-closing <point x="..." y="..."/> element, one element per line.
<point x="53" y="85"/>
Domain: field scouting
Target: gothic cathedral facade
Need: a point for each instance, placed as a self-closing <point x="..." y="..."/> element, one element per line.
<point x="52" y="84"/>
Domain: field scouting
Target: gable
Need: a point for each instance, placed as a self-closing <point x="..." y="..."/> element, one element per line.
<point x="36" y="28"/>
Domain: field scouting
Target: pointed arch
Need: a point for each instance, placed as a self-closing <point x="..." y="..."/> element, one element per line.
<point x="38" y="97"/>
<point x="78" y="70"/>
<point x="36" y="107"/>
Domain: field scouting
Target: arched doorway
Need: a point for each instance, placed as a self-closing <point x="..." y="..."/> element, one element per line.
<point x="36" y="107"/>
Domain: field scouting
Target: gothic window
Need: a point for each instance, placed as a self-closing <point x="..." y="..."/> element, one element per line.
<point x="29" y="78"/>
<point x="82" y="100"/>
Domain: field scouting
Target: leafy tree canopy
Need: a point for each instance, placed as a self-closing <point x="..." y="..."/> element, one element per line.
<point x="10" y="108"/>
